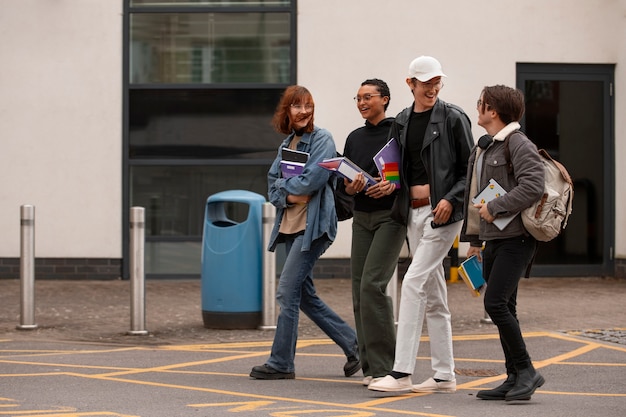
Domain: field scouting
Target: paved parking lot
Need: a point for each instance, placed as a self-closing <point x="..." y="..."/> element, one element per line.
<point x="66" y="379"/>
<point x="77" y="364"/>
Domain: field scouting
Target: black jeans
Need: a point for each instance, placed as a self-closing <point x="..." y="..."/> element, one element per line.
<point x="505" y="261"/>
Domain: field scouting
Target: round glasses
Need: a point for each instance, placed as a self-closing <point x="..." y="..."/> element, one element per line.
<point x="300" y="107"/>
<point x="365" y="98"/>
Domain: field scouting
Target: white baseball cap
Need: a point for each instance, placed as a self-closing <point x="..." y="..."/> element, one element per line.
<point x="425" y="68"/>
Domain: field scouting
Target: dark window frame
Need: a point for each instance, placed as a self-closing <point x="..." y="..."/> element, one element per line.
<point x="127" y="162"/>
<point x="604" y="73"/>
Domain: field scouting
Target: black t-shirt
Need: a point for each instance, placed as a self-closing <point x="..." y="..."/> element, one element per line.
<point x="414" y="142"/>
<point x="361" y="146"/>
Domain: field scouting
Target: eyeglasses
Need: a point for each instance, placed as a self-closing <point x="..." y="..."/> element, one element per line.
<point x="365" y="98"/>
<point x="429" y="86"/>
<point x="479" y="103"/>
<point x="300" y="107"/>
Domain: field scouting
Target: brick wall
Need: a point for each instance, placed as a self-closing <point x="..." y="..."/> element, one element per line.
<point x="620" y="268"/>
<point x="65" y="268"/>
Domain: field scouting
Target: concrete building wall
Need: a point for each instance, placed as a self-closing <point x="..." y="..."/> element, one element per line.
<point x="61" y="125"/>
<point x="478" y="44"/>
<point x="61" y="91"/>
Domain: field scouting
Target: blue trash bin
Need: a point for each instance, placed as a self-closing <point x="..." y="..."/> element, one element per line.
<point x="232" y="260"/>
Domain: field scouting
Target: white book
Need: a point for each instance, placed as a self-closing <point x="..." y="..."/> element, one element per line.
<point x="346" y="168"/>
<point x="491" y="191"/>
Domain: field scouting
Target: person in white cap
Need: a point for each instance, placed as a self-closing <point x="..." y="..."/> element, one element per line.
<point x="435" y="141"/>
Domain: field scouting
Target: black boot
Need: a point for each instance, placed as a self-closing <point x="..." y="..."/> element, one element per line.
<point x="528" y="380"/>
<point x="352" y="366"/>
<point x="499" y="392"/>
<point x="267" y="372"/>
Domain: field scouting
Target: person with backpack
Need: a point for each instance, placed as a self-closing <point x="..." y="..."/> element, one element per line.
<point x="376" y="238"/>
<point x="307" y="224"/>
<point x="508" y="251"/>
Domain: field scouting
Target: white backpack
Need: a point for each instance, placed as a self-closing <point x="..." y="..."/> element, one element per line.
<point x="548" y="216"/>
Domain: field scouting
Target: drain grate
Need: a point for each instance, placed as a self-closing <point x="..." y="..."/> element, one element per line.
<point x="477" y="372"/>
<point x="616" y="335"/>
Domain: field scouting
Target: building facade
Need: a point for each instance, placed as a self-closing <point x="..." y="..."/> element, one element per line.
<point x="108" y="105"/>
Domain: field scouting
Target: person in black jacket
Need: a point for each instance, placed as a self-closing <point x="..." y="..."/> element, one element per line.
<point x="435" y="141"/>
<point x="376" y="238"/>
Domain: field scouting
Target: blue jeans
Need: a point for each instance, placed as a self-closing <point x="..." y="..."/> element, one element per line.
<point x="296" y="291"/>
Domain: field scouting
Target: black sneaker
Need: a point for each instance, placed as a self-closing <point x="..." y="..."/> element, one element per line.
<point x="267" y="372"/>
<point x="352" y="366"/>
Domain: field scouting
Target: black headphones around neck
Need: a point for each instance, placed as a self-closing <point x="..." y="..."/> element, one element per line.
<point x="485" y="141"/>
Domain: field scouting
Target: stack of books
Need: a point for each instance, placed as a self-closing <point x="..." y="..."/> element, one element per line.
<point x="292" y="162"/>
<point x="347" y="169"/>
<point x="471" y="270"/>
<point x="387" y="160"/>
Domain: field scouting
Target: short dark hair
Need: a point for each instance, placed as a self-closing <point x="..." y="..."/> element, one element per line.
<point x="382" y="88"/>
<point x="294" y="94"/>
<point x="506" y="101"/>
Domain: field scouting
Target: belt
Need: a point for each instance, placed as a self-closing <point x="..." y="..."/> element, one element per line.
<point x="419" y="202"/>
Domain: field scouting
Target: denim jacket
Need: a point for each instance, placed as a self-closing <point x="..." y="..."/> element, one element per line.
<point x="321" y="218"/>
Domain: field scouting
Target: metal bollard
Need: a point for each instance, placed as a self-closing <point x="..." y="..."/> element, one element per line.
<point x="392" y="291"/>
<point x="27" y="268"/>
<point x="486" y="319"/>
<point x="269" y="271"/>
<point x="137" y="273"/>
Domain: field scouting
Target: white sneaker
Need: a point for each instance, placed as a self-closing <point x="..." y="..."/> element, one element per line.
<point x="430" y="385"/>
<point x="390" y="384"/>
<point x="367" y="380"/>
<point x="373" y="381"/>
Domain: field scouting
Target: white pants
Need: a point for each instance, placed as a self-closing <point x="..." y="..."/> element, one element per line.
<point x="424" y="294"/>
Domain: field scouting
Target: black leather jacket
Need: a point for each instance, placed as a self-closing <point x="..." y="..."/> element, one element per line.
<point x="447" y="145"/>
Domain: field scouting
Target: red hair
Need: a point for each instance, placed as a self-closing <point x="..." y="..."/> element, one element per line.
<point x="294" y="94"/>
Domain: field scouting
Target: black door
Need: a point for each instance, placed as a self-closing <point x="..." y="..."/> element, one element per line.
<point x="569" y="112"/>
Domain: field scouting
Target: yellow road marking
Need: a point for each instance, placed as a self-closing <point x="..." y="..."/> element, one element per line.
<point x="87" y="414"/>
<point x="239" y="406"/>
<point x="343" y="409"/>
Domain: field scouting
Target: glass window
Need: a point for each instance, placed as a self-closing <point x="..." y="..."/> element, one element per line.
<point x="203" y="124"/>
<point x="223" y="3"/>
<point x="210" y="48"/>
<point x="174" y="196"/>
<point x="203" y="81"/>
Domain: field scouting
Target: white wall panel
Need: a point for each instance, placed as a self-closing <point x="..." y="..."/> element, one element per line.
<point x="61" y="89"/>
<point x="60" y="122"/>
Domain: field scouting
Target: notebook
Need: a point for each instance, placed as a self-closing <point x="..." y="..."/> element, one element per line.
<point x="472" y="273"/>
<point x="491" y="191"/>
<point x="292" y="162"/>
<point x="346" y="168"/>
<point x="387" y="160"/>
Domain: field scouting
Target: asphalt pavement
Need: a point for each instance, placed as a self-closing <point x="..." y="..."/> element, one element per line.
<point x="80" y="360"/>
